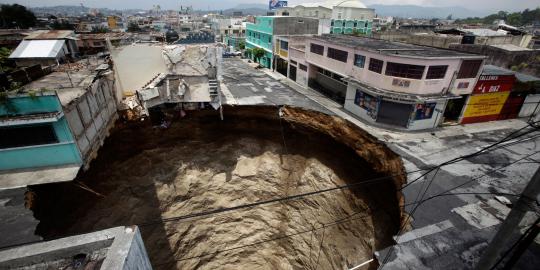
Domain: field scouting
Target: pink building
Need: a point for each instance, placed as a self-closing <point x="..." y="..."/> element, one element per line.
<point x="394" y="84"/>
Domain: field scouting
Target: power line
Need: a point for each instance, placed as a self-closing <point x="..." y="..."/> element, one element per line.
<point x="301" y="195"/>
<point x="419" y="203"/>
<point x="285" y="236"/>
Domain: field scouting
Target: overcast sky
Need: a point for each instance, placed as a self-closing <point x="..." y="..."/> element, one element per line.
<point x="511" y="5"/>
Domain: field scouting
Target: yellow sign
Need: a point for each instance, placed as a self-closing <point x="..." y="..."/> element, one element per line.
<point x="486" y="104"/>
<point x="111" y="21"/>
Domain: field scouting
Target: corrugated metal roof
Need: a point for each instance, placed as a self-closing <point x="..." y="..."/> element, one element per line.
<point x="38" y="49"/>
<point x="50" y="34"/>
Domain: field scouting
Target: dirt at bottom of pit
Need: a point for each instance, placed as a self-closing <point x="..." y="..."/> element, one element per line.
<point x="201" y="163"/>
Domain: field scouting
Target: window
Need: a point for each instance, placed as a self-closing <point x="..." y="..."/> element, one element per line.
<point x="436" y="72"/>
<point x="303" y="67"/>
<point x="462" y="85"/>
<point x="337" y="54"/>
<point x="404" y="70"/>
<point x="284" y="45"/>
<point x="269" y="39"/>
<point x="375" y="65"/>
<point x="318" y="49"/>
<point x="359" y="60"/>
<point x="293" y="62"/>
<point x="469" y="69"/>
<point x="26" y="136"/>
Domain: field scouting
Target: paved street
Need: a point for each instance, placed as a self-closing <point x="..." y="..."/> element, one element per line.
<point x="447" y="231"/>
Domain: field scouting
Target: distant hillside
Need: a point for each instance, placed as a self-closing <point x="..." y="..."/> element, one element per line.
<point x="412" y="11"/>
<point x="248" y="9"/>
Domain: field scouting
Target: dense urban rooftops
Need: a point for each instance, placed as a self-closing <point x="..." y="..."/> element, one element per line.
<point x="393" y="48"/>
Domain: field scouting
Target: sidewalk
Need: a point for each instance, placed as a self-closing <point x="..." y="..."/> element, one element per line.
<point x="388" y="135"/>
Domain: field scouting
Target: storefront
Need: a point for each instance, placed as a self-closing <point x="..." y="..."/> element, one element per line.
<point x="389" y="109"/>
<point x="489" y="100"/>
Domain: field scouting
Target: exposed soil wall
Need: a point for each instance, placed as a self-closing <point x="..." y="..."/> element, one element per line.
<point x="202" y="163"/>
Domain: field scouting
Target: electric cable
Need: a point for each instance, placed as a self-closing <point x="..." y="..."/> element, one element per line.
<point x="301" y="195"/>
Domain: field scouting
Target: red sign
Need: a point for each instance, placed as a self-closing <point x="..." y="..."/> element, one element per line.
<point x="494" y="83"/>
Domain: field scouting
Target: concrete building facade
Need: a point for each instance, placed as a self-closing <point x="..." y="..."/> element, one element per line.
<point x="335" y="16"/>
<point x="120" y="248"/>
<point x="393" y="84"/>
<point x="262" y="33"/>
<point x="55" y="125"/>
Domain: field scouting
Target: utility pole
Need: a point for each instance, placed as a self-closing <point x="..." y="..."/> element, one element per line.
<point x="499" y="243"/>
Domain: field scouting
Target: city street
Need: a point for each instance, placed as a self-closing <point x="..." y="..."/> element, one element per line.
<point x="447" y="231"/>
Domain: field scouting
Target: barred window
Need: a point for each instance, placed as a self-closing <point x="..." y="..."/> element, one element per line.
<point x="303" y="67"/>
<point x="375" y="65"/>
<point x="359" y="60"/>
<point x="436" y="72"/>
<point x="316" y="48"/>
<point x="469" y="69"/>
<point x="404" y="70"/>
<point x="337" y="54"/>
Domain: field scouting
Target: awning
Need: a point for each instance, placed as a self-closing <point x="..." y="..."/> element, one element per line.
<point x="38" y="49"/>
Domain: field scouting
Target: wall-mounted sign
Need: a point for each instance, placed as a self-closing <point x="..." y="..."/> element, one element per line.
<point x="484" y="107"/>
<point x="492" y="84"/>
<point x="275" y="4"/>
<point x="424" y="111"/>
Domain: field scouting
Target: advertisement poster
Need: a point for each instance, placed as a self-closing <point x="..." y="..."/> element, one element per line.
<point x="485" y="105"/>
<point x="275" y="4"/>
<point x="424" y="111"/>
<point x="366" y="101"/>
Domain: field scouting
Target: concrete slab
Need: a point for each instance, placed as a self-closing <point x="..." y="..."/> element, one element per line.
<point x="36" y="176"/>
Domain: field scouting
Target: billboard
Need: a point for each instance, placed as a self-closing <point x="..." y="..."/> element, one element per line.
<point x="275" y="4"/>
<point x="484" y="107"/>
<point x="492" y="84"/>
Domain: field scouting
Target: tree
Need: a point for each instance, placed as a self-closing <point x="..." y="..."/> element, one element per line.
<point x="100" y="29"/>
<point x="16" y="16"/>
<point x="133" y="27"/>
<point x="4" y="54"/>
<point x="242" y="45"/>
<point x="62" y="25"/>
<point x="258" y="53"/>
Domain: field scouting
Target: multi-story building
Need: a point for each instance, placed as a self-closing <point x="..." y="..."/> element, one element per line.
<point x="261" y="34"/>
<point x="54" y="125"/>
<point x="335" y="16"/>
<point x="394" y="84"/>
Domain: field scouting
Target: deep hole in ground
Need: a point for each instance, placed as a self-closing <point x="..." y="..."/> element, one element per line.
<point x="202" y="163"/>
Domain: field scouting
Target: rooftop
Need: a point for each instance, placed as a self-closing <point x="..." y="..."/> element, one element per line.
<point x="521" y="77"/>
<point x="51" y="34"/>
<point x="38" y="49"/>
<point x="392" y="48"/>
<point x="115" y="248"/>
<point x="69" y="80"/>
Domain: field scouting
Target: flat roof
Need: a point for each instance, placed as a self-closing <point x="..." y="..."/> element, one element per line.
<point x="38" y="49"/>
<point x="495" y="70"/>
<point x="392" y="48"/>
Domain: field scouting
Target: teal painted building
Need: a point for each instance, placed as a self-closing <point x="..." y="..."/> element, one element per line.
<point x="261" y="33"/>
<point x="363" y="27"/>
<point x="35" y="133"/>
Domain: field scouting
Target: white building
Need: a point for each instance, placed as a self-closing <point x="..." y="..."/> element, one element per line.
<point x="393" y="84"/>
<point x="335" y="16"/>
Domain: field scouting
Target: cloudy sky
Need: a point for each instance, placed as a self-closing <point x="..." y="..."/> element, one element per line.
<point x="511" y="5"/>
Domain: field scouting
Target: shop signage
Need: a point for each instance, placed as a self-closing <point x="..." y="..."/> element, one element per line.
<point x="485" y="104"/>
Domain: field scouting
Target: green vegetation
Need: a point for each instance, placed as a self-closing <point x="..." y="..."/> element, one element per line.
<point x="4" y="54"/>
<point x="62" y="25"/>
<point x="133" y="27"/>
<point x="16" y="16"/>
<point x="242" y="45"/>
<point x="100" y="29"/>
<point x="516" y="19"/>
<point x="258" y="53"/>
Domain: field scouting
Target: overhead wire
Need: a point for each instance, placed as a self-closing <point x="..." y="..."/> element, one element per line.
<point x="421" y="201"/>
<point x="301" y="195"/>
